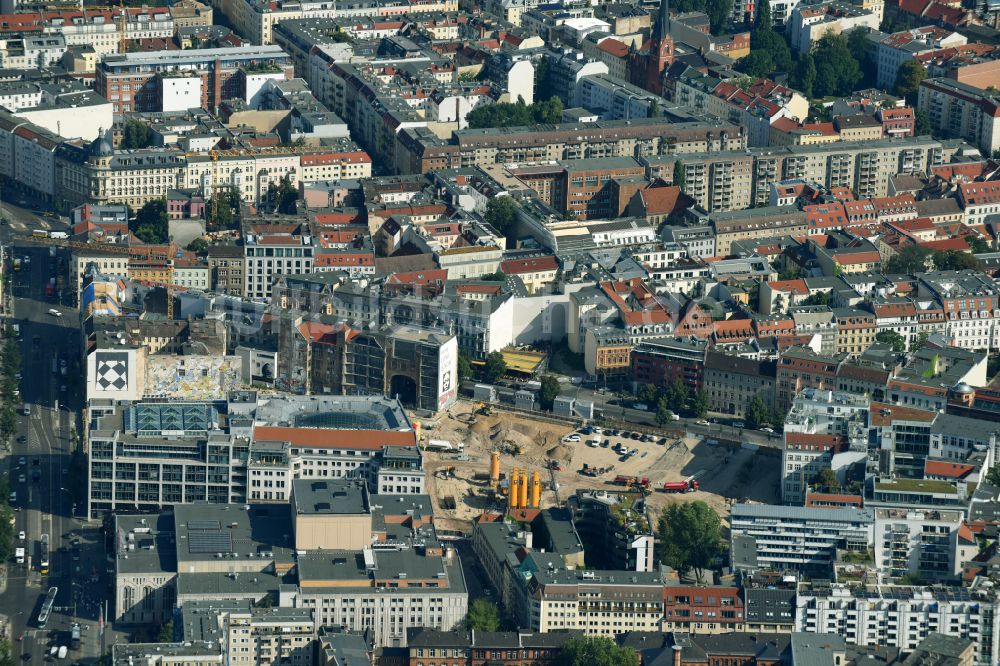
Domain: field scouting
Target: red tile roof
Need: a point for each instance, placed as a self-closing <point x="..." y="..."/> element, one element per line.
<point x="533" y="265"/>
<point x="951" y="470"/>
<point x="322" y="438"/>
<point x="614" y="47"/>
<point x="979" y="193"/>
<point x="798" y="287"/>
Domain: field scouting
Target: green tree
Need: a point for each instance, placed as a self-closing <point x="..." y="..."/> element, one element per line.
<point x="541" y="76"/>
<point x="495" y="367"/>
<point x="6" y="530"/>
<point x="151" y="223"/>
<point x="758" y="63"/>
<point x="6" y="653"/>
<point x="825" y="478"/>
<point x="550" y="111"/>
<point x="817" y="298"/>
<point x="663" y="412"/>
<point x="199" y="246"/>
<point x="493" y="277"/>
<point x="549" y="391"/>
<point x="908" y="78"/>
<point x="223" y="216"/>
<point x="699" y="404"/>
<point x="954" y="260"/>
<point x="776" y="55"/>
<point x="922" y="125"/>
<point x="719" y="14"/>
<point x="993" y="476"/>
<point x="864" y="52"/>
<point x="805" y="74"/>
<point x="8" y="421"/>
<point x="464" y="367"/>
<point x="647" y="393"/>
<point x="677" y="394"/>
<point x="837" y="70"/>
<point x="911" y="259"/>
<point x="483" y="615"/>
<point x="339" y="36"/>
<point x="977" y="244"/>
<point x="691" y="536"/>
<point x="680" y="178"/>
<point x="654" y="109"/>
<point x="758" y="413"/>
<point x="501" y="214"/>
<point x="166" y="633"/>
<point x="135" y="134"/>
<point x="893" y="339"/>
<point x="265" y="601"/>
<point x="595" y="651"/>
<point x="763" y="18"/>
<point x="285" y="196"/>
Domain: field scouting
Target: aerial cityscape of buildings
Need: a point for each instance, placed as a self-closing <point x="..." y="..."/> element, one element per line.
<point x="431" y="333"/>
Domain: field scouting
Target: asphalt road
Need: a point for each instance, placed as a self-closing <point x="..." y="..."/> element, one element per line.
<point x="44" y="504"/>
<point x="608" y="404"/>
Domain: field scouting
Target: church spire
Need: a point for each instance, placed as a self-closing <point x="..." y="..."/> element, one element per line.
<point x="662" y="22"/>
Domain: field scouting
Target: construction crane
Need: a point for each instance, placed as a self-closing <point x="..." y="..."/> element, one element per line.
<point x="216" y="189"/>
<point x="111" y="248"/>
<point x="216" y="185"/>
<point x="122" y="42"/>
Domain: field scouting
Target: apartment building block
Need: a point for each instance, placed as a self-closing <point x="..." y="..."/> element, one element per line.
<point x="795" y="538"/>
<point x="177" y="80"/>
<point x="901" y="617"/>
<point x="928" y="544"/>
<point x="702" y="609"/>
<point x="962" y="111"/>
<point x="823" y="429"/>
<point x="733" y="181"/>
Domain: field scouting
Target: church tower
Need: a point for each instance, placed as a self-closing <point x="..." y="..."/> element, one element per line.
<point x="646" y="66"/>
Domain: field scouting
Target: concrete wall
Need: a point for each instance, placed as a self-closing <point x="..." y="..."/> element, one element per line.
<point x="333" y="532"/>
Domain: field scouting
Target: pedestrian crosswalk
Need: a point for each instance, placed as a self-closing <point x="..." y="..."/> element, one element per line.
<point x="38" y="224"/>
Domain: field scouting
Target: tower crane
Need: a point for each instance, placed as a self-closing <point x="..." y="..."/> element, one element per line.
<point x="122" y="42"/>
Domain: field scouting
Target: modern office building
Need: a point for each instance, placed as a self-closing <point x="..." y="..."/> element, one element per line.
<point x="796" y="538"/>
<point x="901" y="617"/>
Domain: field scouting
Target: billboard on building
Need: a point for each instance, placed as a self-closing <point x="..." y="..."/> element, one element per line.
<point x="447" y="373"/>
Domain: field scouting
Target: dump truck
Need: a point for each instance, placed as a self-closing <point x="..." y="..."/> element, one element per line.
<point x="688" y="486"/>
<point x="629" y="481"/>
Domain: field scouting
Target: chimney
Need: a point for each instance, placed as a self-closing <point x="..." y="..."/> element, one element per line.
<point x="677" y="655"/>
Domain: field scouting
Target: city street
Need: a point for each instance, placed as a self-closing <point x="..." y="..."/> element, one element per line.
<point x="608" y="404"/>
<point x="39" y="469"/>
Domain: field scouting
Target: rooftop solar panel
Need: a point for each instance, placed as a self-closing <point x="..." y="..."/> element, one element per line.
<point x="210" y="542"/>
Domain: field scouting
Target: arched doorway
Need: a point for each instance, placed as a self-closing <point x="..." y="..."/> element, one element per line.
<point x="404" y="388"/>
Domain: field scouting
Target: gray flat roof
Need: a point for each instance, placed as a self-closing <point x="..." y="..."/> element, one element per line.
<point x="329" y="496"/>
<point x="777" y="512"/>
<point x="233" y="531"/>
<point x="168" y="58"/>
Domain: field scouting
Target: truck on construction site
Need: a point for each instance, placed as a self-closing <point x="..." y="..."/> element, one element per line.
<point x="688" y="486"/>
<point x="629" y="481"/>
<point x="443" y="445"/>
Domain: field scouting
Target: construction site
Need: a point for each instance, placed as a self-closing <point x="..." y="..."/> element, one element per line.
<point x="512" y="461"/>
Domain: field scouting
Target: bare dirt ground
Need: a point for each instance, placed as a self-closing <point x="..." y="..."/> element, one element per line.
<point x="724" y="473"/>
